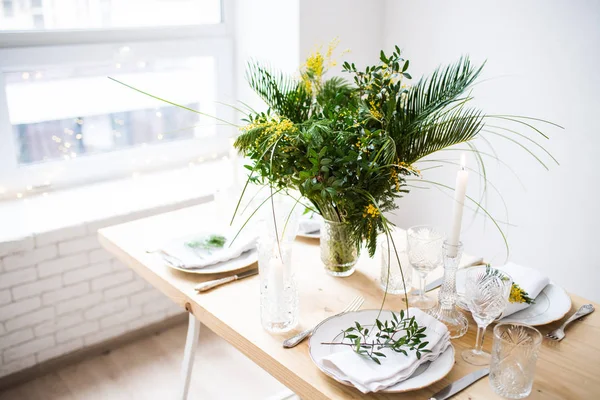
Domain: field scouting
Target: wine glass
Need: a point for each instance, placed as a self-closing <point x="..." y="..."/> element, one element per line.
<point x="424" y="247"/>
<point x="486" y="293"/>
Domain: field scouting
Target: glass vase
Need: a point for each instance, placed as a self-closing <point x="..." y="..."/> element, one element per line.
<point x="338" y="251"/>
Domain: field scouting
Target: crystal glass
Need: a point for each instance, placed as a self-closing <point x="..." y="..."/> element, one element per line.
<point x="486" y="294"/>
<point x="424" y="248"/>
<point x="514" y="355"/>
<point x="392" y="272"/>
<point x="279" y="308"/>
<point x="338" y="251"/>
<point x="446" y="310"/>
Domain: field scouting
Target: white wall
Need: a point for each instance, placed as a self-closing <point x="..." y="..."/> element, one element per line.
<point x="357" y="24"/>
<point x="267" y="31"/>
<point x="542" y="59"/>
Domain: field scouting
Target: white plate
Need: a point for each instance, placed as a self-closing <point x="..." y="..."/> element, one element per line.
<point x="244" y="260"/>
<point x="328" y="330"/>
<point x="312" y="235"/>
<point x="552" y="304"/>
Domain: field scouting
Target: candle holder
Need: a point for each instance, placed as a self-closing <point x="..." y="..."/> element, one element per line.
<point x="446" y="310"/>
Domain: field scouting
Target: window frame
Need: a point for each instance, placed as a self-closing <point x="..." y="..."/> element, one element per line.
<point x="28" y="50"/>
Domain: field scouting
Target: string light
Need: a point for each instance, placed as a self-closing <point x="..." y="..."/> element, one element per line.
<point x="160" y="137"/>
<point x="78" y="136"/>
<point x="67" y="145"/>
<point x="159" y="114"/>
<point x="38" y="75"/>
<point x="118" y="65"/>
<point x="19" y="195"/>
<point x="25" y="76"/>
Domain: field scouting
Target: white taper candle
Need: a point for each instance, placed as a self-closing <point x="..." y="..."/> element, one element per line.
<point x="460" y="192"/>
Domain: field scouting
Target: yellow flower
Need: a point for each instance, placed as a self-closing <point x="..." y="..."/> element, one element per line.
<point x="374" y="111"/>
<point x="370" y="211"/>
<point x="515" y="295"/>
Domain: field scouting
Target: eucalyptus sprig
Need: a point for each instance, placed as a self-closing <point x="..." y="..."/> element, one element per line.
<point x="399" y="334"/>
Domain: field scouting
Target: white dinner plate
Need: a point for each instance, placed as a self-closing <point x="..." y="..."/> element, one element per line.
<point x="244" y="260"/>
<point x="329" y="330"/>
<point x="552" y="304"/>
<point x="312" y="235"/>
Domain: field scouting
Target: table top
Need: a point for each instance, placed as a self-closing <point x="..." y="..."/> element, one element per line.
<point x="565" y="370"/>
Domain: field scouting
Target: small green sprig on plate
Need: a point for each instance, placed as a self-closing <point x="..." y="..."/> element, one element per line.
<point x="398" y="334"/>
<point x="208" y="243"/>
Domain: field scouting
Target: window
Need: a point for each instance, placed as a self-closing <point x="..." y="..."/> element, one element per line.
<point x="63" y="122"/>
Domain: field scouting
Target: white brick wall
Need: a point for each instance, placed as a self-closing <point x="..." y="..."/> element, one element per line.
<point x="60" y="292"/>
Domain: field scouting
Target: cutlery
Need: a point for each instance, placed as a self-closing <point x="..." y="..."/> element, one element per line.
<point x="460" y="384"/>
<point x="559" y="333"/>
<point x="297" y="339"/>
<point x="205" y="286"/>
<point x="438" y="282"/>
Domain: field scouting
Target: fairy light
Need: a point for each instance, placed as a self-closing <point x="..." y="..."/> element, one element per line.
<point x="25" y="76"/>
<point x="19" y="195"/>
<point x="118" y="65"/>
<point x="67" y="145"/>
<point x="29" y="188"/>
<point x="160" y="137"/>
<point x="78" y="136"/>
<point x="159" y="114"/>
<point x="69" y="131"/>
<point x="38" y="75"/>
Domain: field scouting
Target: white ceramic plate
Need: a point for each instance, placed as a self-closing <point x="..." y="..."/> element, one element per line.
<point x="427" y="374"/>
<point x="246" y="259"/>
<point x="552" y="304"/>
<point x="312" y="235"/>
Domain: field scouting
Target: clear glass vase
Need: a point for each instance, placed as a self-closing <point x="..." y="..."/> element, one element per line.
<point x="338" y="251"/>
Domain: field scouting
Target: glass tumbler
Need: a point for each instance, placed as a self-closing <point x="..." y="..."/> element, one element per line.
<point x="392" y="272"/>
<point x="514" y="355"/>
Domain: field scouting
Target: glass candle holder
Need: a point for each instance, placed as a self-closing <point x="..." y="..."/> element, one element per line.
<point x="446" y="310"/>
<point x="279" y="308"/>
<point x="278" y="290"/>
<point x="392" y="272"/>
<point x="514" y="355"/>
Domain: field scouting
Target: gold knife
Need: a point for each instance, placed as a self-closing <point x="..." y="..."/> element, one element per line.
<point x="205" y="286"/>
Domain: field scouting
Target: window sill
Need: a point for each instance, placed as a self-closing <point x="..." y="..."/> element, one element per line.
<point x="107" y="203"/>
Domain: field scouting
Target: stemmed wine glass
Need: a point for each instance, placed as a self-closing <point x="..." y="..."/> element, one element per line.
<point x="486" y="294"/>
<point x="424" y="247"/>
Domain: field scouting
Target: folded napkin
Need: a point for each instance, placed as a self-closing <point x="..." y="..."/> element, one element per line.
<point x="530" y="280"/>
<point x="310" y="223"/>
<point x="367" y="376"/>
<point x="178" y="252"/>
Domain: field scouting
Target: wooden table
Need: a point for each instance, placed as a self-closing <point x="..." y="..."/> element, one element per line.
<point x="566" y="370"/>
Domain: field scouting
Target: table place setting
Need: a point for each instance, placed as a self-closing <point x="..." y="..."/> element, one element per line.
<point x="210" y="252"/>
<point x="310" y="225"/>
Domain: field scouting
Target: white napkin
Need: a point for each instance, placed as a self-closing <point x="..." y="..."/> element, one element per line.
<point x="530" y="280"/>
<point x="367" y="376"/>
<point x="177" y="251"/>
<point x="310" y="223"/>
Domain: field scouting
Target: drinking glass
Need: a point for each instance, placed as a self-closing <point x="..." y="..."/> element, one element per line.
<point x="486" y="294"/>
<point x="392" y="272"/>
<point x="514" y="354"/>
<point x="424" y="247"/>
